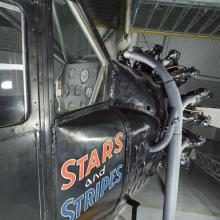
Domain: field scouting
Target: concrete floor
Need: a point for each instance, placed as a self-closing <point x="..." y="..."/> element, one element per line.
<point x="199" y="198"/>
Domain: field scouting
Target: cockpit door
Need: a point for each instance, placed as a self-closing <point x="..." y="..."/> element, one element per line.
<point x="89" y="138"/>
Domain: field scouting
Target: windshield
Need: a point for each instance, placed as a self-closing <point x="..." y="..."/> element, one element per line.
<point x="78" y="69"/>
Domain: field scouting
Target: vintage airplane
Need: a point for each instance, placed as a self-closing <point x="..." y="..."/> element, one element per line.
<point x="80" y="133"/>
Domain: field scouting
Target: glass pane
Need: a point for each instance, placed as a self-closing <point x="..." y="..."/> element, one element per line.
<point x="12" y="99"/>
<point x="76" y="65"/>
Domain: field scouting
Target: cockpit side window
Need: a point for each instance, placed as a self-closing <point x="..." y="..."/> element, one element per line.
<point x="79" y="68"/>
<point x="13" y="100"/>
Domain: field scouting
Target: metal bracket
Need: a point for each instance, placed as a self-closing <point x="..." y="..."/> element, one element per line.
<point x="134" y="204"/>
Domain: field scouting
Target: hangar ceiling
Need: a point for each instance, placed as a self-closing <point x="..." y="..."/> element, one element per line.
<point x="194" y="17"/>
<point x="106" y="13"/>
<point x="185" y="17"/>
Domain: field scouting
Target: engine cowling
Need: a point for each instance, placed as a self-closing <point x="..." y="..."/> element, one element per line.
<point x="102" y="153"/>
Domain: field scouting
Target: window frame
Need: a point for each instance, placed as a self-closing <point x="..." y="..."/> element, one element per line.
<point x="88" y="28"/>
<point x="23" y="66"/>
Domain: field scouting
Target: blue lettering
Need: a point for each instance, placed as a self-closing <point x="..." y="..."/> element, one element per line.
<point x="78" y="203"/>
<point x="89" y="198"/>
<point x="104" y="185"/>
<point x="64" y="209"/>
<point x="119" y="173"/>
<point x="92" y="195"/>
<point x="112" y="177"/>
<point x="97" y="194"/>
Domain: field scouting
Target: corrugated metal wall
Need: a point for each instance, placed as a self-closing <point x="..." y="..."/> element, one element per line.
<point x="204" y="54"/>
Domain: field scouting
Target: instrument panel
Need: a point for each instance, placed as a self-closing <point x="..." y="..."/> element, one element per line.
<point x="76" y="87"/>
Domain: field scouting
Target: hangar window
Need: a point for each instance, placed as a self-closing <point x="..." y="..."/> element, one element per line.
<point x="13" y="100"/>
<point x="79" y="66"/>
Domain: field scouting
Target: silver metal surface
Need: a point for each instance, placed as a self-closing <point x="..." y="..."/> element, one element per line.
<point x="59" y="31"/>
<point x="9" y="6"/>
<point x="24" y="58"/>
<point x="172" y="178"/>
<point x="58" y="58"/>
<point x="97" y="86"/>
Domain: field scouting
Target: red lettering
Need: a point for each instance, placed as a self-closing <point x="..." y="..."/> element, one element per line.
<point x="93" y="162"/>
<point x="107" y="150"/>
<point x="81" y="164"/>
<point x="68" y="175"/>
<point x="119" y="143"/>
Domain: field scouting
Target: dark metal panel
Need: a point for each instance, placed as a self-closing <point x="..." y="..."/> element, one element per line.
<point x="79" y="137"/>
<point x="143" y="131"/>
<point x="43" y="30"/>
<point x="132" y="90"/>
<point x="19" y="178"/>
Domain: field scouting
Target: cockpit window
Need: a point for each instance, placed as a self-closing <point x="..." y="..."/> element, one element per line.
<point x="78" y="67"/>
<point x="13" y="99"/>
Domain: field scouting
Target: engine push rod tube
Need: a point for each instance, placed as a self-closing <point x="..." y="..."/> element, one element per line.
<point x="173" y="136"/>
<point x="196" y="97"/>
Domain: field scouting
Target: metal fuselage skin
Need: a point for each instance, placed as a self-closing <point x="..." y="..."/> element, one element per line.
<point x="83" y="164"/>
